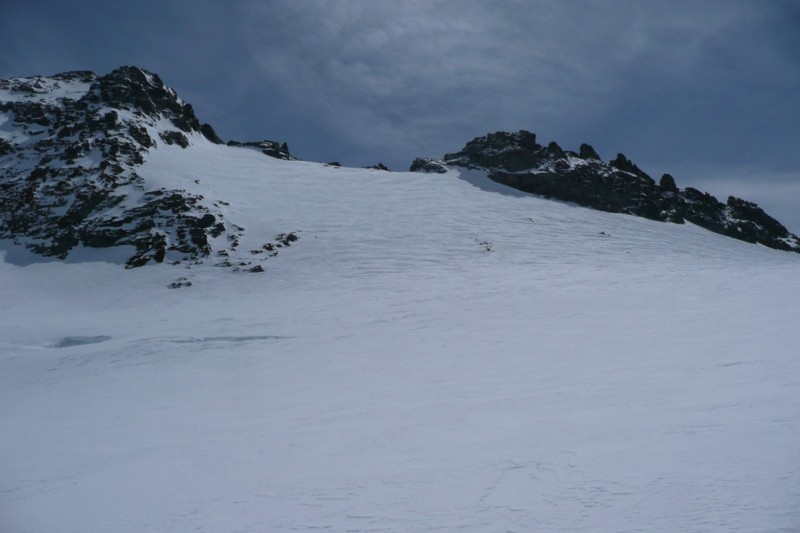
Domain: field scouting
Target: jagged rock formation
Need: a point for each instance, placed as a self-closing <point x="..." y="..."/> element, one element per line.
<point x="424" y="164"/>
<point x="517" y="160"/>
<point x="68" y="158"/>
<point x="71" y="144"/>
<point x="70" y="147"/>
<point x="379" y="166"/>
<point x="208" y="132"/>
<point x="270" y="148"/>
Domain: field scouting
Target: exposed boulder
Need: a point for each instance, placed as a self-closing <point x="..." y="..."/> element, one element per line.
<point x="174" y="137"/>
<point x="428" y="165"/>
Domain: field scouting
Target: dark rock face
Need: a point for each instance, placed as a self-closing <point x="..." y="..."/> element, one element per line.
<point x="69" y="168"/>
<point x="667" y="184"/>
<point x="175" y="137"/>
<point x="755" y="225"/>
<point x="516" y="160"/>
<point x="379" y="166"/>
<point x="134" y="89"/>
<point x="510" y="151"/>
<point x="208" y="132"/>
<point x="428" y="165"/>
<point x="626" y="165"/>
<point x="270" y="148"/>
<point x="587" y="152"/>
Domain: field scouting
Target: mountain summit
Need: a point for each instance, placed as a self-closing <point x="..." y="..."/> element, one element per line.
<point x="73" y="145"/>
<point x="70" y="149"/>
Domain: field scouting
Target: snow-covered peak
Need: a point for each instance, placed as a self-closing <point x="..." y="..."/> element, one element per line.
<point x="143" y="93"/>
<point x="70" y="147"/>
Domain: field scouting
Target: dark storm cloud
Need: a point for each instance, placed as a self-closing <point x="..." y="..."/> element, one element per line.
<point x="679" y="87"/>
<point x="704" y="90"/>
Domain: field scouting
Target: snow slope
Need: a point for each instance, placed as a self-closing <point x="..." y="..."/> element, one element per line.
<point x="435" y="352"/>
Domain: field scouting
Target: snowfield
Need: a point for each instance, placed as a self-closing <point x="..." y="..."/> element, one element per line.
<point x="435" y="353"/>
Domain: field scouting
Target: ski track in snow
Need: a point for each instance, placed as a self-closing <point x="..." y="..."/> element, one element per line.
<point x="593" y="372"/>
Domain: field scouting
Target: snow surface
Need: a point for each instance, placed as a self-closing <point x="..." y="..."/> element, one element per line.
<point x="594" y="372"/>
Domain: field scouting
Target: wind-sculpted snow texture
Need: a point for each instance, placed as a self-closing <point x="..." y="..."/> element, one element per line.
<point x="517" y="160"/>
<point x="429" y="357"/>
<point x="438" y="352"/>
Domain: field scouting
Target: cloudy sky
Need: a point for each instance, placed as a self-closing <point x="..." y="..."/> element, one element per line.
<point x="706" y="90"/>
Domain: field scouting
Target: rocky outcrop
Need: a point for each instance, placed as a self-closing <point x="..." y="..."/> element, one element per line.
<point x="620" y="186"/>
<point x="379" y="166"/>
<point x="208" y="132"/>
<point x="428" y="165"/>
<point x="69" y="175"/>
<point x="512" y="152"/>
<point x="143" y="93"/>
<point x="270" y="148"/>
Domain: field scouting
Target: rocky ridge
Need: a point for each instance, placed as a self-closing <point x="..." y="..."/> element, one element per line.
<point x="619" y="186"/>
<point x="70" y="145"/>
<point x="270" y="148"/>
